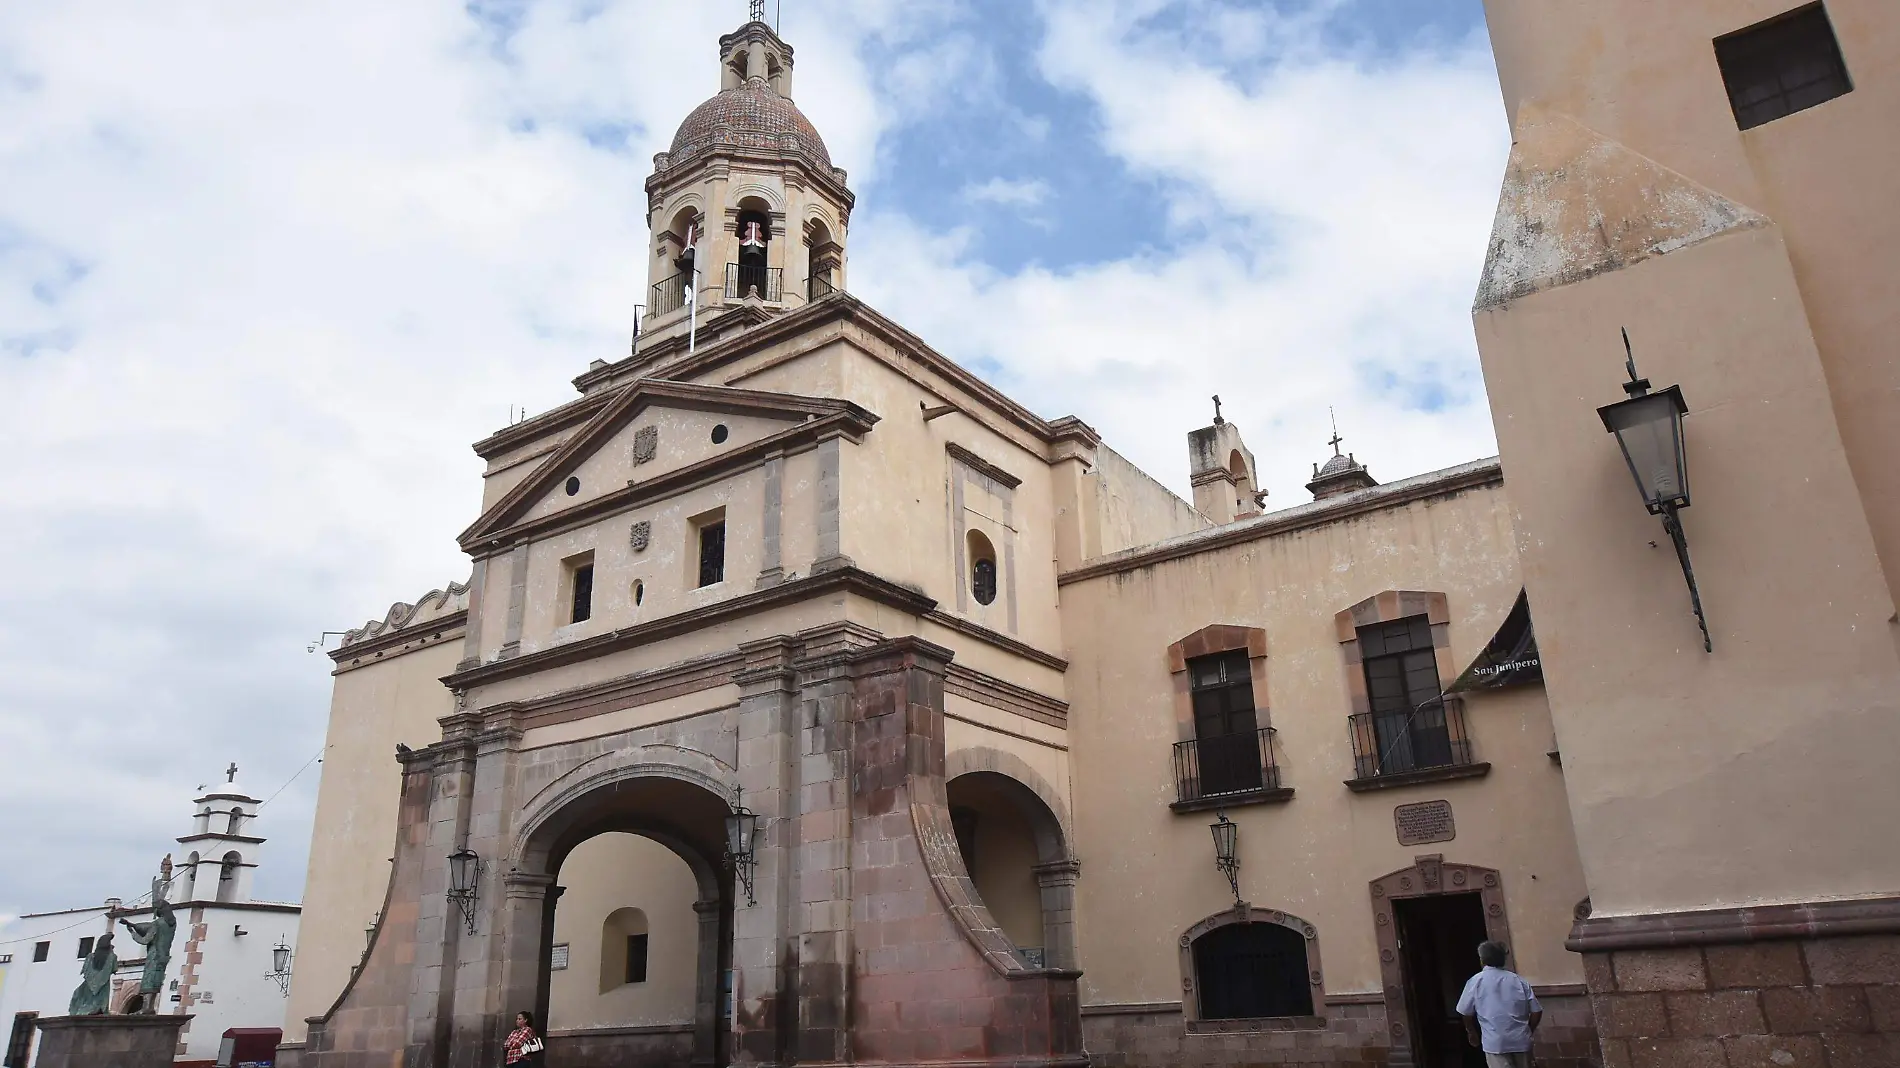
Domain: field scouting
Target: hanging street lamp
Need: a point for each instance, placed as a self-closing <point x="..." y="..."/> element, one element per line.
<point x="742" y="829"/>
<point x="280" y="955"/>
<point x="1648" y="428"/>
<point x="465" y="876"/>
<point x="1227" y="851"/>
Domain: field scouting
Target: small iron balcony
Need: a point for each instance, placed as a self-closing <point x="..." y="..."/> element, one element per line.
<point x="1426" y="744"/>
<point x="743" y="280"/>
<point x="668" y="296"/>
<point x="1227" y="769"/>
<point x="819" y="287"/>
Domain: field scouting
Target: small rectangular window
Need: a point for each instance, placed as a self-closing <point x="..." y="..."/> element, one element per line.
<point x="583" y="607"/>
<point x="85" y="947"/>
<point x="637" y="958"/>
<point x="712" y="553"/>
<point x="40" y="950"/>
<point x="1789" y="63"/>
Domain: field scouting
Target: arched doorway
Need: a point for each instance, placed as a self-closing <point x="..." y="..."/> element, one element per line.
<point x="655" y="839"/>
<point x="1017" y="856"/>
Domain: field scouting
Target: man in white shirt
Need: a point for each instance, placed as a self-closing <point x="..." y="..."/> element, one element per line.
<point x="1500" y="1011"/>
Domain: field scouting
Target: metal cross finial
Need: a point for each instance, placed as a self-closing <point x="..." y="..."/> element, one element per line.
<point x="230" y="773"/>
<point x="758" y="10"/>
<point x="1217" y="419"/>
<point x="1336" y="439"/>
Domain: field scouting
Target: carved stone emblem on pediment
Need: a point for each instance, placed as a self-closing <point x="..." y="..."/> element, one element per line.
<point x="642" y="535"/>
<point x="646" y="444"/>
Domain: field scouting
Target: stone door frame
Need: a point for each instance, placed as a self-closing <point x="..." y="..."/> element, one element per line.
<point x="1429" y="876"/>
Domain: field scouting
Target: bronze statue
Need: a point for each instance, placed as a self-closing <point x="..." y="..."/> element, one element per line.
<point x="156" y="937"/>
<point x="94" y="996"/>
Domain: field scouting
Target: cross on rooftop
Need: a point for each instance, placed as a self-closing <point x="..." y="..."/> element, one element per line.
<point x="230" y="773"/>
<point x="1336" y="439"/>
<point x="758" y="10"/>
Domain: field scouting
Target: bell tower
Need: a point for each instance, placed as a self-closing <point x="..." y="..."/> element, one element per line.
<point x="222" y="849"/>
<point x="745" y="207"/>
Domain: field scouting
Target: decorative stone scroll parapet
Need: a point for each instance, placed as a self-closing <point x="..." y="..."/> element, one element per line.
<point x="430" y="606"/>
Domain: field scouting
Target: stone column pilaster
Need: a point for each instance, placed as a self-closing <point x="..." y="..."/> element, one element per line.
<point x="439" y="926"/>
<point x="1056" y="883"/>
<point x="707" y="1006"/>
<point x="763" y="931"/>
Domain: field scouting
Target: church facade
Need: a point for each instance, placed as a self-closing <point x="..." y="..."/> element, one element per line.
<point x="811" y="701"/>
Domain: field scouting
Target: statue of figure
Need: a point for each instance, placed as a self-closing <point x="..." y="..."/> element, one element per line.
<point x="94" y="996"/>
<point x="156" y="937"/>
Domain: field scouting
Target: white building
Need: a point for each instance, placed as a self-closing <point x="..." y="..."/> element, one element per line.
<point x="222" y="968"/>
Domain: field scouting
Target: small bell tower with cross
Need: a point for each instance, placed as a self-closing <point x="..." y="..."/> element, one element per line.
<point x="1341" y="473"/>
<point x="1222" y="470"/>
<point x="220" y="854"/>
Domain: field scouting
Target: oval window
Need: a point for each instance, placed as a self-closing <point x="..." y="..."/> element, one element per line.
<point x="720" y="434"/>
<point x="639" y="593"/>
<point x="573" y="486"/>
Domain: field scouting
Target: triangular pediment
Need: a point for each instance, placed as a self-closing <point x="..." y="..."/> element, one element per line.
<point x="658" y="432"/>
<point x="1576" y="204"/>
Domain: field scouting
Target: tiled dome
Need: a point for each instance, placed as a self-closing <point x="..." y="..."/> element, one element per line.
<point x="752" y="116"/>
<point x="1337" y="464"/>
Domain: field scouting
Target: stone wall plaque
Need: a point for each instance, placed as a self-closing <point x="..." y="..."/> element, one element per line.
<point x="641" y="536"/>
<point x="1424" y="823"/>
<point x="557" y="959"/>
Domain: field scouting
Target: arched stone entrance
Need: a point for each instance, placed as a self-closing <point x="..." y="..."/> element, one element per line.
<point x="1428" y="877"/>
<point x="681" y="814"/>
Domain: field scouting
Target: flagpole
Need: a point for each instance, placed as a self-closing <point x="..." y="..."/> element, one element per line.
<point x="692" y="280"/>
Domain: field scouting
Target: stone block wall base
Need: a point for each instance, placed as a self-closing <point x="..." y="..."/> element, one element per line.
<point x="622" y="1047"/>
<point x="1815" y="1002"/>
<point x="109" y="1041"/>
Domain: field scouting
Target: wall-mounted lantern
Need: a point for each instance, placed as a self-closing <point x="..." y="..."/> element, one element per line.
<point x="280" y="966"/>
<point x="742" y="831"/>
<point x="1227" y="851"/>
<point x="1648" y="428"/>
<point x="465" y="876"/>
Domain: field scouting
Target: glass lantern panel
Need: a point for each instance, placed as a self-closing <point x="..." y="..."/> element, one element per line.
<point x="1649" y="429"/>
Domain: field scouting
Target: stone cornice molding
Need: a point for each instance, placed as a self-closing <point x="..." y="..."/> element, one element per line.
<point x="998" y="639"/>
<point x="841" y="580"/>
<point x="981" y="466"/>
<point x="430" y="632"/>
<point x="843" y="307"/>
<point x="501" y="526"/>
<point x="1658" y="930"/>
<point x="1479" y="474"/>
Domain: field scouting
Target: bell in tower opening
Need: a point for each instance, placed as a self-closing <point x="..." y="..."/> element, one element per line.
<point x="753" y="271"/>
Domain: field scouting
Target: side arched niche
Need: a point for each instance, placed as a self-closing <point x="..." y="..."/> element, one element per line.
<point x="1040" y="873"/>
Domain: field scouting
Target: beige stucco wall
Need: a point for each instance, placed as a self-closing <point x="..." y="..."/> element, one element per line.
<point x="1134" y="508"/>
<point x="1751" y="771"/>
<point x="372" y="708"/>
<point x="1645" y="75"/>
<point x="1148" y="873"/>
<point x="616" y="871"/>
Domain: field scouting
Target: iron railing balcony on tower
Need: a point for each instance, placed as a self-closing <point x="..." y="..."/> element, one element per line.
<point x="668" y="296"/>
<point x="819" y="287"/>
<point x="1225" y="770"/>
<point x="1425" y="744"/>
<point x="746" y="279"/>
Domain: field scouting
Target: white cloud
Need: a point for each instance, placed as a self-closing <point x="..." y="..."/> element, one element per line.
<point x="276" y="268"/>
<point x="1007" y="192"/>
<point x="1332" y="213"/>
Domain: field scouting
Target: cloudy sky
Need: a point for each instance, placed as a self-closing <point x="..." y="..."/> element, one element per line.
<point x="266" y="270"/>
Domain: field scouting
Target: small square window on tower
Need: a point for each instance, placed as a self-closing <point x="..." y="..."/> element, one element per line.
<point x="40" y="950"/>
<point x="1790" y="63"/>
<point x="85" y="947"/>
